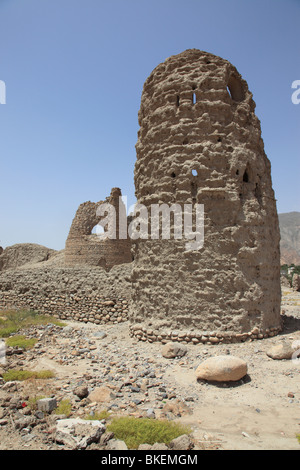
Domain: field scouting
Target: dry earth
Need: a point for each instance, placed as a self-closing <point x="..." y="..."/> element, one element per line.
<point x="260" y="411"/>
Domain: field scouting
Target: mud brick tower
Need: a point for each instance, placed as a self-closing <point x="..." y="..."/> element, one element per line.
<point x="200" y="142"/>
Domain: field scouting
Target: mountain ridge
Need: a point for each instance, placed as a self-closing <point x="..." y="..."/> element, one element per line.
<point x="289" y="224"/>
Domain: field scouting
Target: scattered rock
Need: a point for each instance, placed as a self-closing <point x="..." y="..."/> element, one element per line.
<point x="133" y="377"/>
<point x="145" y="447"/>
<point x="171" y="350"/>
<point x="78" y="433"/>
<point x="280" y="351"/>
<point x="100" y="335"/>
<point x="101" y="395"/>
<point x="177" y="408"/>
<point x="222" y="369"/>
<point x="81" y="391"/>
<point x="183" y="442"/>
<point x="156" y="446"/>
<point x="25" y="422"/>
<point x="116" y="444"/>
<point x="46" y="404"/>
<point x="159" y="446"/>
<point x="150" y="413"/>
<point x="105" y="437"/>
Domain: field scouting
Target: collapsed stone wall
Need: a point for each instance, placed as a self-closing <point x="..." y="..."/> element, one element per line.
<point x="200" y="142"/>
<point x="77" y="293"/>
<point x="88" y="281"/>
<point x="86" y="248"/>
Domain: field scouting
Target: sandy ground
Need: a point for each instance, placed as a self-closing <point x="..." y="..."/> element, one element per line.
<point x="260" y="412"/>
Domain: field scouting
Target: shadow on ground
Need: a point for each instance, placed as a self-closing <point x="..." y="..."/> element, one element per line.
<point x="290" y="324"/>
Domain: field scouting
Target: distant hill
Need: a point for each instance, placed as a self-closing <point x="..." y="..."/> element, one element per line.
<point x="289" y="224"/>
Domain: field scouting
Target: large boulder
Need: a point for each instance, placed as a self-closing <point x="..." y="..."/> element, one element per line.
<point x="222" y="369"/>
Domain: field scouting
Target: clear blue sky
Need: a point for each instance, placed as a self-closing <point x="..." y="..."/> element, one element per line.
<point x="74" y="72"/>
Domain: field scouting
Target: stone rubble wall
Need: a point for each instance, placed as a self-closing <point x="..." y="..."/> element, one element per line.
<point x="78" y="293"/>
<point x="204" y="337"/>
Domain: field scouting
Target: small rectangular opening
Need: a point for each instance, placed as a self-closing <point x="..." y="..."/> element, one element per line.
<point x="194" y="99"/>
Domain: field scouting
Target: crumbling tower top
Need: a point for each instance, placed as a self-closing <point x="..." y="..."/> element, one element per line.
<point x="86" y="248"/>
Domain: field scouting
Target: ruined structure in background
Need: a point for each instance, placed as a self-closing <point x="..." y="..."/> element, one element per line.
<point x="200" y="142"/>
<point x="22" y="254"/>
<point x="86" y="248"/>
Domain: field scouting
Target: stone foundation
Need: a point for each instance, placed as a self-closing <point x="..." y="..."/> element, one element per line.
<point x="143" y="334"/>
<point x="81" y="294"/>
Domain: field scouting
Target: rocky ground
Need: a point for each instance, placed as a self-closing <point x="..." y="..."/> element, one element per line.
<point x="100" y="367"/>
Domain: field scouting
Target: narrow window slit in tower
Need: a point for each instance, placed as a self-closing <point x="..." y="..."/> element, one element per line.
<point x="178" y="100"/>
<point x="257" y="193"/>
<point x="194" y="191"/>
<point x="194" y="172"/>
<point x="194" y="99"/>
<point x="245" y="177"/>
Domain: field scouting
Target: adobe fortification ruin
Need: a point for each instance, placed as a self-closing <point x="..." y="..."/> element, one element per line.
<point x="200" y="142"/>
<point x="89" y="281"/>
<point x="86" y="248"/>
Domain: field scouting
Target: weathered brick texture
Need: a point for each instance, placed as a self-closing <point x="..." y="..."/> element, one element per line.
<point x="200" y="142"/>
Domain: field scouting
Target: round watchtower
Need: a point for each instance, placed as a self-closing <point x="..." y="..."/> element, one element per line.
<point x="200" y="142"/>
